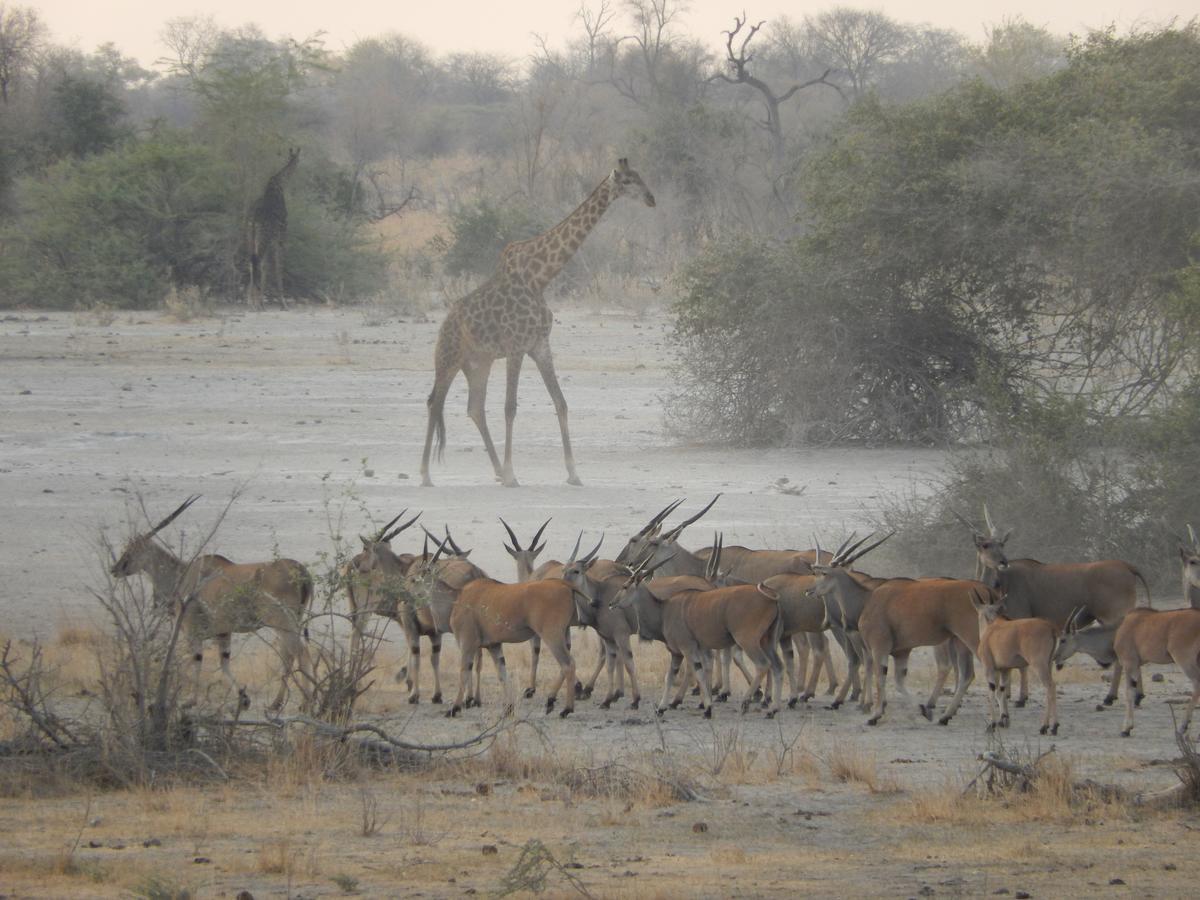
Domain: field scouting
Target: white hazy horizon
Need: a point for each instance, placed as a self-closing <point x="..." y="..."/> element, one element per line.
<point x="448" y="26"/>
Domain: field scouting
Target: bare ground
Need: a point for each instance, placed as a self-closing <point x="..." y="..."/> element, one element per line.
<point x="318" y="417"/>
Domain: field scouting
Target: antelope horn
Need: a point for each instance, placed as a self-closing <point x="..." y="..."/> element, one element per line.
<point x="441" y="546"/>
<point x="817" y="544"/>
<point x="591" y="556"/>
<point x="425" y="547"/>
<point x="575" y="552"/>
<point x="533" y="545"/>
<point x="173" y="516"/>
<point x="657" y="520"/>
<point x="399" y="528"/>
<point x="453" y="543"/>
<point x="965" y="521"/>
<point x="846" y="543"/>
<point x="675" y="532"/>
<point x="512" y="536"/>
<point x="861" y="553"/>
<point x="987" y="518"/>
<point x="380" y="533"/>
<point x="840" y="556"/>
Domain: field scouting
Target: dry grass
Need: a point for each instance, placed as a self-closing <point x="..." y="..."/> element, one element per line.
<point x="852" y="764"/>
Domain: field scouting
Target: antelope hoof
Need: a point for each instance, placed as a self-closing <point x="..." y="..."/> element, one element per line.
<point x="637" y="701"/>
<point x="770" y="713"/>
<point x="1004" y="721"/>
<point x="471" y="701"/>
<point x="991" y="727"/>
<point x="1127" y="732"/>
<point x="696" y="690"/>
<point x="607" y="703"/>
<point x="926" y="711"/>
<point x="757" y="694"/>
<point x="874" y="720"/>
<point x="944" y="720"/>
<point x="659" y="711"/>
<point x="1137" y="701"/>
<point x="806" y="696"/>
<point x="550" y="705"/>
<point x="1110" y="700"/>
<point x="618" y="695"/>
<point x="244" y="701"/>
<point x="414" y="700"/>
<point x="574" y="479"/>
<point x="453" y="711"/>
<point x="1100" y="707"/>
<point x="436" y="698"/>
<point x="1054" y="729"/>
<point x="674" y="704"/>
<point x="579" y="691"/>
<point x="529" y="692"/>
<point x="722" y="697"/>
<point x="792" y="702"/>
<point x="836" y="704"/>
<point x="708" y="712"/>
<point x="426" y="481"/>
<point x="510" y="481"/>
<point x="566" y="711"/>
<point x="745" y="707"/>
<point x="1020" y="702"/>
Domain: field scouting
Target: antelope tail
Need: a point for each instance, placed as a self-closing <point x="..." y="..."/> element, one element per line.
<point x="1145" y="587"/>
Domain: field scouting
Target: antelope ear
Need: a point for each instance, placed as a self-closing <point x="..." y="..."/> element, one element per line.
<point x="366" y="544"/>
<point x="768" y="592"/>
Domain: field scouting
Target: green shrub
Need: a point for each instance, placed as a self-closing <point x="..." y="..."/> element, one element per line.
<point x="480" y="231"/>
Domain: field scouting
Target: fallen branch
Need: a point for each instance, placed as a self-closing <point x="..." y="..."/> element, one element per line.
<point x="340" y="733"/>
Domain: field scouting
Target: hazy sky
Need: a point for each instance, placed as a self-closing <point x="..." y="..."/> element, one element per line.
<point x="506" y="27"/>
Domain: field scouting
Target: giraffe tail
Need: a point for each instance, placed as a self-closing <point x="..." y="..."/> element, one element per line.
<point x="438" y="419"/>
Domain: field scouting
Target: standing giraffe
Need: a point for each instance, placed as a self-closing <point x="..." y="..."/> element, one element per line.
<point x="507" y="317"/>
<point x="267" y="233"/>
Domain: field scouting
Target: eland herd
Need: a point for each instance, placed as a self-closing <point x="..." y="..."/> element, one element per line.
<point x="770" y="613"/>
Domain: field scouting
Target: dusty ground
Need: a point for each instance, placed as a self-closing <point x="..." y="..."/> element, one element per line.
<point x="320" y="416"/>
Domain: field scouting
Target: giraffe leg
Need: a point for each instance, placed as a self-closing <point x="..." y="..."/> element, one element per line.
<point x="510" y="414"/>
<point x="437" y="422"/>
<point x="477" y="379"/>
<point x="277" y="270"/>
<point x="545" y="363"/>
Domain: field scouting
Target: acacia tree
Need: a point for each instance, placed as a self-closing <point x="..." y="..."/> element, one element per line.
<point x="856" y="42"/>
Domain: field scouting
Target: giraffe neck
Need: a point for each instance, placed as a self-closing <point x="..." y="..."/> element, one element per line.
<point x="541" y="258"/>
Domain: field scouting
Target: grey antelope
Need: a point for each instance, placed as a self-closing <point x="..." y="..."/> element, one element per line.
<point x="613" y="624"/>
<point x="1006" y="644"/>
<point x="1158" y="636"/>
<point x="414" y="591"/>
<point x="1106" y="590"/>
<point x="902" y="614"/>
<point x="1189" y="558"/>
<point x="696" y="621"/>
<point x="218" y="598"/>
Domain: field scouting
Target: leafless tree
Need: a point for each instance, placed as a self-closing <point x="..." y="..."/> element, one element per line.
<point x="739" y="65"/>
<point x="856" y="42"/>
<point x="22" y="34"/>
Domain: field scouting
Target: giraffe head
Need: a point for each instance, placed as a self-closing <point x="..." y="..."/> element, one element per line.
<point x="628" y="183"/>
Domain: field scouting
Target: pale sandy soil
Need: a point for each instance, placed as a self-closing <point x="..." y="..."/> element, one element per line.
<point x="320" y="416"/>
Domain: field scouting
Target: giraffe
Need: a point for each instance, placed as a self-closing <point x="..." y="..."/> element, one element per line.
<point x="267" y="232"/>
<point x="507" y="317"/>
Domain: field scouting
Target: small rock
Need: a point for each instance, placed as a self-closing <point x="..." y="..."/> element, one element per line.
<point x="26" y="392"/>
<point x="1022" y="895"/>
<point x="369" y="473"/>
<point x="201" y="860"/>
<point x="483" y="789"/>
<point x="572" y="865"/>
<point x="244" y="895"/>
<point x="95" y="844"/>
<point x="1170" y="867"/>
<point x="1158" y="677"/>
<point x="152" y="842"/>
<point x="1116" y="881"/>
<point x="926" y="891"/>
<point x="700" y="828"/>
<point x="490" y="850"/>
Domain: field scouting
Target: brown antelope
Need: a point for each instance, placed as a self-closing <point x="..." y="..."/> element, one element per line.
<point x="1006" y="644"/>
<point x="1158" y="636"/>
<point x="804" y="624"/>
<point x="1189" y="558"/>
<point x="489" y="614"/>
<point x="903" y="614"/>
<point x="696" y="621"/>
<point x="218" y="598"/>
<point x="1106" y="590"/>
